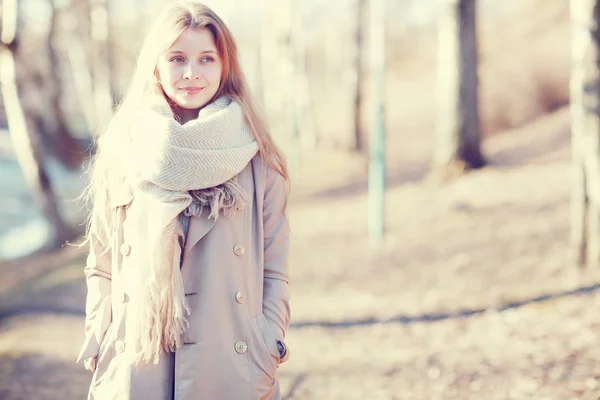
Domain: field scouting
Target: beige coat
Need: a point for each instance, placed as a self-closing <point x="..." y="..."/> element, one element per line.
<point x="235" y="273"/>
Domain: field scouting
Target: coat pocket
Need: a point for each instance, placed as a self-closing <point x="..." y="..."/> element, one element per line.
<point x="266" y="339"/>
<point x="263" y="360"/>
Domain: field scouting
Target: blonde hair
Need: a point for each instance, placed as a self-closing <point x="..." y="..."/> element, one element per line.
<point x="106" y="168"/>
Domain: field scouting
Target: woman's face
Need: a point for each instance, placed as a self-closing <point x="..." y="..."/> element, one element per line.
<point x="190" y="70"/>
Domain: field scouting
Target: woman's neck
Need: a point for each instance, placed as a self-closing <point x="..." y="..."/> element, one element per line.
<point x="184" y="115"/>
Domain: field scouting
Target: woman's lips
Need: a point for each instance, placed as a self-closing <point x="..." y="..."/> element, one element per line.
<point x="191" y="90"/>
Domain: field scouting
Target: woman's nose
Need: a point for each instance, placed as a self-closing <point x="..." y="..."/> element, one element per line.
<point x="191" y="72"/>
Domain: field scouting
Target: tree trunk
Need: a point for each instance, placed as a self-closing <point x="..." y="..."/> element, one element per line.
<point x="26" y="142"/>
<point x="457" y="146"/>
<point x="377" y="78"/>
<point x="64" y="145"/>
<point x="585" y="130"/>
<point x="360" y="142"/>
<point x="79" y="61"/>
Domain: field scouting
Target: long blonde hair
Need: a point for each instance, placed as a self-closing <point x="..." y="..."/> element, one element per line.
<point x="106" y="169"/>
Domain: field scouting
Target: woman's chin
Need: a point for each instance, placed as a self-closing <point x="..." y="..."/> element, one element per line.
<point x="192" y="105"/>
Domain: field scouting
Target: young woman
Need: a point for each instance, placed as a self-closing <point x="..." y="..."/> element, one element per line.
<point x="187" y="273"/>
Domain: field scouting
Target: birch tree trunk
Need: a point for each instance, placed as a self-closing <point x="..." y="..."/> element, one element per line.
<point x="377" y="79"/>
<point x="457" y="146"/>
<point x="26" y="141"/>
<point x="585" y="129"/>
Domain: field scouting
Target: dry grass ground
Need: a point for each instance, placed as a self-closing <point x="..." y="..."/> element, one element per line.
<point x="470" y="297"/>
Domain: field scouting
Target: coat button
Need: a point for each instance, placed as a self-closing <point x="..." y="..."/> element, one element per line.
<point x="120" y="346"/>
<point x="241" y="347"/>
<point x="239" y="250"/>
<point x="240" y="297"/>
<point x="125" y="249"/>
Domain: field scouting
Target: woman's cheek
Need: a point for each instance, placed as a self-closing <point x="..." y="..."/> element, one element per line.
<point x="214" y="72"/>
<point x="176" y="72"/>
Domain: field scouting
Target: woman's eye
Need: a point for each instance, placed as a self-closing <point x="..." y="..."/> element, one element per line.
<point x="206" y="59"/>
<point x="177" y="59"/>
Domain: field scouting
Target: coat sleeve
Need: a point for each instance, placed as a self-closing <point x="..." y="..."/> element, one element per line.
<point x="98" y="310"/>
<point x="276" y="307"/>
<point x="98" y="277"/>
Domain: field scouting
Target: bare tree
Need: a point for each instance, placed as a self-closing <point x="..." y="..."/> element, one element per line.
<point x="377" y="79"/>
<point x="26" y="141"/>
<point x="585" y="128"/>
<point x="457" y="146"/>
<point x="74" y="42"/>
<point x="41" y="86"/>
<point x="63" y="145"/>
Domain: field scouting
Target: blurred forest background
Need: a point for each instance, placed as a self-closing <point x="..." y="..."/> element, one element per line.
<point x="74" y="61"/>
<point x="476" y="287"/>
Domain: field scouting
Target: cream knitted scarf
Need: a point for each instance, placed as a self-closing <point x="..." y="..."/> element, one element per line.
<point x="170" y="165"/>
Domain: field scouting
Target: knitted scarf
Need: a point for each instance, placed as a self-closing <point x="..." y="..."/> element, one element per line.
<point x="170" y="166"/>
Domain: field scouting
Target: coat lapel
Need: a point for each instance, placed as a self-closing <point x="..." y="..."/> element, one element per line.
<point x="199" y="227"/>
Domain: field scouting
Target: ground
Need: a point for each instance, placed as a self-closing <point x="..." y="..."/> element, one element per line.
<point x="470" y="295"/>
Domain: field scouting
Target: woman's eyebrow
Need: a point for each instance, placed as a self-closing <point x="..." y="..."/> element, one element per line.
<point x="183" y="52"/>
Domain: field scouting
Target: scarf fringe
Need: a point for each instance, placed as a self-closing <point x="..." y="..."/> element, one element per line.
<point x="227" y="198"/>
<point x="162" y="309"/>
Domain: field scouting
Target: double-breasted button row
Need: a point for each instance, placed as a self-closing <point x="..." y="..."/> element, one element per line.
<point x="239" y="250"/>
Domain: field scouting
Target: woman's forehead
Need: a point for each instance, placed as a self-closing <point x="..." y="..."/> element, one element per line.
<point x="194" y="40"/>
